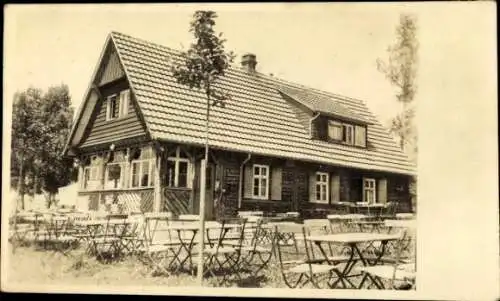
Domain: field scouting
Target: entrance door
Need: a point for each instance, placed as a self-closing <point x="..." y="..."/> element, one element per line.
<point x="210" y="188"/>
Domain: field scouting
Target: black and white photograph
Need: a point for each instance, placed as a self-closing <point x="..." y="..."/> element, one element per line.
<point x="250" y="147"/>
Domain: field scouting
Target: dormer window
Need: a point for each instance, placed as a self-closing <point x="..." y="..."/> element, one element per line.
<point x="117" y="105"/>
<point x="346" y="133"/>
<point x="112" y="107"/>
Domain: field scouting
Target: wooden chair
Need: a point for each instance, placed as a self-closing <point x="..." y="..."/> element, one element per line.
<point x="400" y="271"/>
<point x="160" y="249"/>
<point x="256" y="254"/>
<point x="299" y="268"/>
<point x="223" y="253"/>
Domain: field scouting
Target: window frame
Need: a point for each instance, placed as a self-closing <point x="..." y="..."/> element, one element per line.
<point x="85" y="181"/>
<point x="151" y="170"/>
<point x="346" y="126"/>
<point x="372" y="189"/>
<point x="337" y="124"/>
<point x="177" y="159"/>
<point x="106" y="175"/>
<point x="109" y="109"/>
<point x="324" y="184"/>
<point x="260" y="177"/>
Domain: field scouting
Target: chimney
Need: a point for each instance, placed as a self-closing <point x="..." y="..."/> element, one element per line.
<point x="249" y="61"/>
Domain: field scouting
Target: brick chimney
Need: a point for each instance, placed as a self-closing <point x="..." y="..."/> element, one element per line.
<point x="249" y="61"/>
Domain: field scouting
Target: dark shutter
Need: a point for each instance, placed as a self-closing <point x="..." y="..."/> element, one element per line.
<point x="247" y="181"/>
<point x="276" y="183"/>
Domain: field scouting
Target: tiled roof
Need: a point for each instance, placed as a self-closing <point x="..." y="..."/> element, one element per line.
<point x="257" y="120"/>
<point x="321" y="103"/>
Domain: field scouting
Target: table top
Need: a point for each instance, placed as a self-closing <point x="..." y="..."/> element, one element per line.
<point x="347" y="216"/>
<point x="356" y="237"/>
<point x="103" y="222"/>
<point x="411" y="224"/>
<point x="195" y="226"/>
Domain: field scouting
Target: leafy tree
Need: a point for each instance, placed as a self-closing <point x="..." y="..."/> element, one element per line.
<point x="401" y="71"/>
<point x="57" y="115"/>
<point x="40" y="126"/>
<point x="203" y="64"/>
<point x="26" y="132"/>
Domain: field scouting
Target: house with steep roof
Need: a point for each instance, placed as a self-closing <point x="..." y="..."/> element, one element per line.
<point x="276" y="146"/>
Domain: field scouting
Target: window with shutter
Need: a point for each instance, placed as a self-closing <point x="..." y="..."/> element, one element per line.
<point x="369" y="191"/>
<point x="360" y="133"/>
<point x="260" y="181"/>
<point x="320" y="188"/>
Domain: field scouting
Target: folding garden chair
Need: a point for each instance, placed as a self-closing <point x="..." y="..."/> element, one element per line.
<point x="398" y="271"/>
<point x="160" y="249"/>
<point x="58" y="235"/>
<point x="255" y="254"/>
<point x="299" y="268"/>
<point x="223" y="253"/>
<point x="106" y="242"/>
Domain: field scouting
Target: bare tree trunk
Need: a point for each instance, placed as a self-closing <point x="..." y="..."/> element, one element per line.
<point x="203" y="170"/>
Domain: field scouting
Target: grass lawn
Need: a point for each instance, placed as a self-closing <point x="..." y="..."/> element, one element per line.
<point x="29" y="264"/>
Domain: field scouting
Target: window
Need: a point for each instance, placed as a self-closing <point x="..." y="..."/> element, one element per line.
<point x="117" y="105"/>
<point x="348" y="134"/>
<point x="124" y="102"/>
<point x="369" y="194"/>
<point x="334" y="130"/>
<point x="142" y="173"/>
<point x="90" y="173"/>
<point x="321" y="187"/>
<point x="113" y="176"/>
<point x="260" y="181"/>
<point x="112" y="107"/>
<point x="178" y="171"/>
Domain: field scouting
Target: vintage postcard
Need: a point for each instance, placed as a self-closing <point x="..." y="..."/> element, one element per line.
<point x="305" y="150"/>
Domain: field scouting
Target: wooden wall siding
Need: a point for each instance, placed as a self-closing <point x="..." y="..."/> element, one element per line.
<point x="111" y="68"/>
<point x="176" y="200"/>
<point x="231" y="177"/>
<point x="101" y="131"/>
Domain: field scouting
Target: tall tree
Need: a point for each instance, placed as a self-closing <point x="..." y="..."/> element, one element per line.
<point x="203" y="64"/>
<point x="57" y="114"/>
<point x="40" y="125"/>
<point x="26" y="133"/>
<point x="401" y="70"/>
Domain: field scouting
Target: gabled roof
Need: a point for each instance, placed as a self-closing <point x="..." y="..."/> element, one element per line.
<point x="257" y="120"/>
<point x="321" y="103"/>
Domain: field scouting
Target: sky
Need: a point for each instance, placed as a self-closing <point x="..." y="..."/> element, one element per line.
<point x="330" y="47"/>
<point x="333" y="47"/>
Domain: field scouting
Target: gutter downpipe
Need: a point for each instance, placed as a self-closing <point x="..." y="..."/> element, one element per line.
<point x="311" y="122"/>
<point x="240" y="186"/>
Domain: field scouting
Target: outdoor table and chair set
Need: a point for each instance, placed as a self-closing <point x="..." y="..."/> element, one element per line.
<point x="347" y="250"/>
